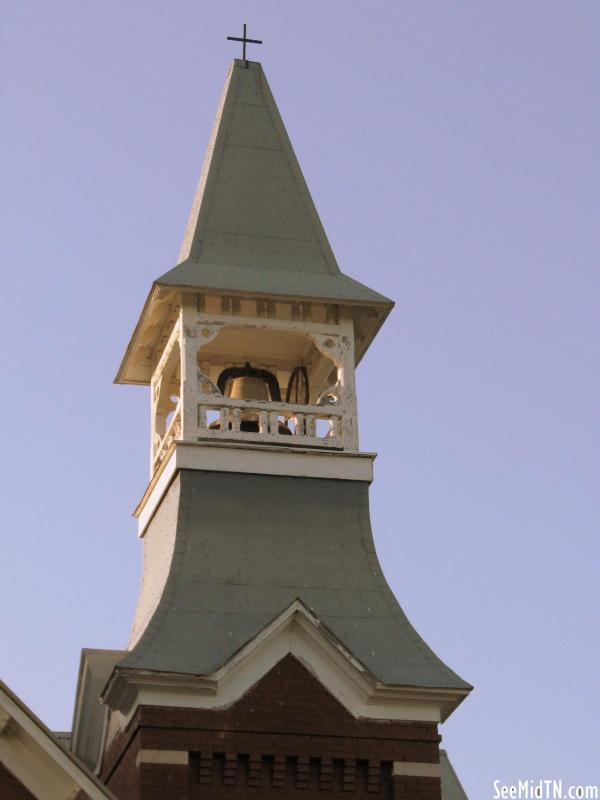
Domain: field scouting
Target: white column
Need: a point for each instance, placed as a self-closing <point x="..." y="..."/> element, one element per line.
<point x="346" y="369"/>
<point x="189" y="371"/>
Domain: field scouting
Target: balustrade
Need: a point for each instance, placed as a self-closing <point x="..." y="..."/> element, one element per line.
<point x="222" y="418"/>
<point x="281" y="423"/>
<point x="173" y="432"/>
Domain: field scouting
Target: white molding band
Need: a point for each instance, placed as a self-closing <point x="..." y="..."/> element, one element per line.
<point x="5" y="719"/>
<point x="416" y="769"/>
<point x="38" y="760"/>
<point x="253" y="460"/>
<point x="170" y="757"/>
<point x="299" y="632"/>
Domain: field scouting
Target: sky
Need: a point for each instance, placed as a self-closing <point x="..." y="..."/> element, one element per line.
<point x="452" y="152"/>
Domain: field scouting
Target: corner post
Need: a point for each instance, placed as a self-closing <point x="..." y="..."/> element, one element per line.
<point x="348" y="384"/>
<point x="189" y="369"/>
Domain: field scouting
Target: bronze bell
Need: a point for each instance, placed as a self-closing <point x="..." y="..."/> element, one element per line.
<point x="247" y="387"/>
<point x="249" y="383"/>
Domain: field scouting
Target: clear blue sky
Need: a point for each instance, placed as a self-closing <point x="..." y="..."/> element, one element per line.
<point x="452" y="152"/>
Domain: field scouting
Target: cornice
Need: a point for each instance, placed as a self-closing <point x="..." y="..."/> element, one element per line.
<point x="301" y="633"/>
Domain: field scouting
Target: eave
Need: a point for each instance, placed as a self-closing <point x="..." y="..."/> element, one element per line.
<point x="300" y="632"/>
<point x="368" y="319"/>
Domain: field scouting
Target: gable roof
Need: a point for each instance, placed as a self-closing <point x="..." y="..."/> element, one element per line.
<point x="296" y="631"/>
<point x="37" y="759"/>
<point x="89" y="715"/>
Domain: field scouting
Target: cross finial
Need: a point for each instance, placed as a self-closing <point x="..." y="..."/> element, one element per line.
<point x="244" y="41"/>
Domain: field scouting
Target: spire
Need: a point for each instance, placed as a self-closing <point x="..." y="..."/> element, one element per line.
<point x="253" y="226"/>
<point x="253" y="231"/>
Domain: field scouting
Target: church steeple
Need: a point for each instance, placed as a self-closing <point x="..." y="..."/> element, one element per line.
<point x="260" y="570"/>
<point x="257" y="283"/>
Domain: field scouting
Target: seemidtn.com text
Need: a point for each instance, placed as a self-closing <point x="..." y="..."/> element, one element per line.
<point x="543" y="790"/>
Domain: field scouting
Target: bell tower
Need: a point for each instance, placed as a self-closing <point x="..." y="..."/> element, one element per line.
<point x="249" y="370"/>
<point x="268" y="657"/>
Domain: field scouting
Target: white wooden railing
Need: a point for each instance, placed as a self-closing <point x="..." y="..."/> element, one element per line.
<point x="172" y="433"/>
<point x="312" y="426"/>
<point x="220" y="418"/>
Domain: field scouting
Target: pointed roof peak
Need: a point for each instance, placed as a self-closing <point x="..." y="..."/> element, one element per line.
<point x="253" y="226"/>
<point x="239" y="62"/>
<point x="253" y="229"/>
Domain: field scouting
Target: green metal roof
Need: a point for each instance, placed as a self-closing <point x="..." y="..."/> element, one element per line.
<point x="253" y="226"/>
<point x="252" y="280"/>
<point x="247" y="546"/>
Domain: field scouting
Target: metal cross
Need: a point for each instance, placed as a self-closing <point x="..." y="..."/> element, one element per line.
<point x="244" y="41"/>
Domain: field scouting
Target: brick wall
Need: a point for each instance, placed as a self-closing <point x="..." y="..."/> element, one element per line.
<point x="165" y="782"/>
<point x="11" y="788"/>
<point x="412" y="788"/>
<point x="121" y="772"/>
<point x="287" y="737"/>
<point x="236" y="775"/>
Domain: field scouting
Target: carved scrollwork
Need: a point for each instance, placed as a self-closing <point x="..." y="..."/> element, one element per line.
<point x="205" y="333"/>
<point x="330" y="396"/>
<point x="329" y="345"/>
<point x="206" y="385"/>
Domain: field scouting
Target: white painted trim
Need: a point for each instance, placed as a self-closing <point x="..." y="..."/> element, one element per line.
<point x="299" y="632"/>
<point x="84" y="702"/>
<point x="274" y="323"/>
<point x="156" y="490"/>
<point x="416" y="769"/>
<point x="5" y="719"/>
<point x="172" y="342"/>
<point x="172" y="757"/>
<point x="251" y="459"/>
<point x="30" y="751"/>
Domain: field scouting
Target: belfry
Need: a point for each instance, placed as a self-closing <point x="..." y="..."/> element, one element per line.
<point x="268" y="658"/>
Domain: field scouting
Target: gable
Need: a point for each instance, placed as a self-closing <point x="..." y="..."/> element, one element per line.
<point x="289" y="697"/>
<point x="39" y="764"/>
